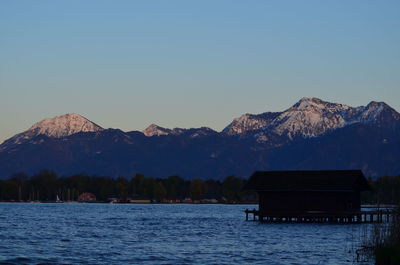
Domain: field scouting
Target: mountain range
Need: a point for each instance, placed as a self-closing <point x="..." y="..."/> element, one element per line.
<point x="312" y="134"/>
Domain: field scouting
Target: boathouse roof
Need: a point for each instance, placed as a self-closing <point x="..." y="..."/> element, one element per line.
<point x="311" y="180"/>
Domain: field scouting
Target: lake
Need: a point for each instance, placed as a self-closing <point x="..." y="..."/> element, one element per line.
<point x="75" y="233"/>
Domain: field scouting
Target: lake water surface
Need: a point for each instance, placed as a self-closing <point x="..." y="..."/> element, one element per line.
<point x="33" y="233"/>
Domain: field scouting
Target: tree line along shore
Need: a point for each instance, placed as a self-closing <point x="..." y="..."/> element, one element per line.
<point x="47" y="186"/>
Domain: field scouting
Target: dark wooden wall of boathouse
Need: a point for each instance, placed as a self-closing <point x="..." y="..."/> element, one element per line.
<point x="305" y="191"/>
<point x="309" y="201"/>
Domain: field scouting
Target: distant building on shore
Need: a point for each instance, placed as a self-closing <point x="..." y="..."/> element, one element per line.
<point x="87" y="197"/>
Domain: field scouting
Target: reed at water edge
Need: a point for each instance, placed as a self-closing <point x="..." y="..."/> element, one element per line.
<point x="382" y="241"/>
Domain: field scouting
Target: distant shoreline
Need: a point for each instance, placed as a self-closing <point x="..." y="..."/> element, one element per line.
<point x="100" y="202"/>
<point x="365" y="206"/>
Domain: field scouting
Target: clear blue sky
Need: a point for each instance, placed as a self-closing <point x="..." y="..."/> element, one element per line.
<point x="126" y="64"/>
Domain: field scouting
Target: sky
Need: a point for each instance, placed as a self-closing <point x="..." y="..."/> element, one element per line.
<point x="127" y="64"/>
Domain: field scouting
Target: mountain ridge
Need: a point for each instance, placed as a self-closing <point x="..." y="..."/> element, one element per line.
<point x="311" y="117"/>
<point x="292" y="139"/>
<point x="302" y="111"/>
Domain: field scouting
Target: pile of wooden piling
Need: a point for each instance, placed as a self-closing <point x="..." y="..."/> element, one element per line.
<point x="374" y="216"/>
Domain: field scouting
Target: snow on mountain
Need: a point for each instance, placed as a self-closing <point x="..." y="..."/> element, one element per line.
<point x="64" y="125"/>
<point x="155" y="130"/>
<point x="57" y="127"/>
<point x="312" y="117"/>
<point x="309" y="117"/>
<point x="249" y="122"/>
<point x="378" y="112"/>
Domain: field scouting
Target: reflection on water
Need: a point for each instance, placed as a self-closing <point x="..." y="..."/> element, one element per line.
<point x="164" y="234"/>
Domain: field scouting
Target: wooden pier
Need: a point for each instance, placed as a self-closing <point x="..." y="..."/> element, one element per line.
<point x="375" y="216"/>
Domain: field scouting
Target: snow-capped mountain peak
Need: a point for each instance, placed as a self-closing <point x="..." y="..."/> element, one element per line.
<point x="64" y="125"/>
<point x="377" y="112"/>
<point x="316" y="104"/>
<point x="308" y="102"/>
<point x="57" y="127"/>
<point x="308" y="118"/>
<point x="155" y="130"/>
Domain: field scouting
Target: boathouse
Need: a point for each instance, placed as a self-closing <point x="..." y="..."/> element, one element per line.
<point x="308" y="193"/>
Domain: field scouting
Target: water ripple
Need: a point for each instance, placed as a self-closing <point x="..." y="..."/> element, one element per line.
<point x="162" y="234"/>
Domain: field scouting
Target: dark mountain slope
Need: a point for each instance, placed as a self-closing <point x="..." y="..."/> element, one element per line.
<point x="374" y="150"/>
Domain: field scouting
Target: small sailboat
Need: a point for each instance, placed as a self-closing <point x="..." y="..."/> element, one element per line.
<point x="58" y="199"/>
